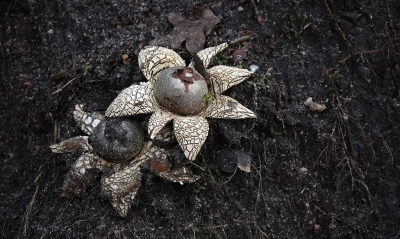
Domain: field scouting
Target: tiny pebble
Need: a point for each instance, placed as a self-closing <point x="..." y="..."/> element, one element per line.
<point x="317" y="227"/>
<point x="240" y="9"/>
<point x="125" y="59"/>
<point x="253" y="68"/>
<point x="51" y="31"/>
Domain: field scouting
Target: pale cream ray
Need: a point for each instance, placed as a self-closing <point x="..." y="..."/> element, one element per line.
<point x="136" y="99"/>
<point x="154" y="59"/>
<point x="87" y="121"/>
<point x="122" y="187"/>
<point x="191" y="132"/>
<point x="224" y="77"/>
<point x="224" y="107"/>
<point x="158" y="120"/>
<point x="71" y="145"/>
<point x="207" y="54"/>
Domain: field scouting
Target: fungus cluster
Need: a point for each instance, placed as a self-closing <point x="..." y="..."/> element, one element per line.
<point x="174" y="92"/>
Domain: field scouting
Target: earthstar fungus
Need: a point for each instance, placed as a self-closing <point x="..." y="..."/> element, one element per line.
<point x="117" y="149"/>
<point x="190" y="126"/>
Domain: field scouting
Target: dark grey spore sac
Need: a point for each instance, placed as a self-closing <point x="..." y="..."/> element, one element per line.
<point x="117" y="140"/>
<point x="180" y="91"/>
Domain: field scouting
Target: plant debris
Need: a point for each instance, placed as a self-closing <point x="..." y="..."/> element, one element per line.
<point x="229" y="160"/>
<point x="193" y="32"/>
<point x="313" y="105"/>
<point x="238" y="55"/>
<point x="125" y="59"/>
<point x="199" y="67"/>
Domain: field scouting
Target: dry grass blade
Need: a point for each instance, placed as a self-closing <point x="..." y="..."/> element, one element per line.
<point x="25" y="219"/>
<point x="60" y="89"/>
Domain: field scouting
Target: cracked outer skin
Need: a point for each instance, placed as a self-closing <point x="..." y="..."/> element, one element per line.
<point x="191" y="133"/>
<point x="136" y="99"/>
<point x="154" y="59"/>
<point x="170" y="93"/>
<point x="87" y="121"/>
<point x="224" y="107"/>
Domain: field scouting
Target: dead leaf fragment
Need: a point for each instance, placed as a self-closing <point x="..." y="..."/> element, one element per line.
<point x="238" y="55"/>
<point x="229" y="160"/>
<point x="313" y="105"/>
<point x="193" y="32"/>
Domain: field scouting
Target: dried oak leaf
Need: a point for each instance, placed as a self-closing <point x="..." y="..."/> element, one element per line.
<point x="193" y="32"/>
<point x="238" y="55"/>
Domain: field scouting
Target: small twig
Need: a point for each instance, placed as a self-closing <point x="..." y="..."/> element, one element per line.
<point x="69" y="82"/>
<point x="245" y="38"/>
<point x="337" y="24"/>
<point x="390" y="131"/>
<point x="304" y="28"/>
<point x="388" y="149"/>
<point x="319" y="210"/>
<point x="84" y="220"/>
<point x="25" y="219"/>
<point x="258" y="16"/>
<point x="197" y="166"/>
<point x="369" y="64"/>
<point x="63" y="74"/>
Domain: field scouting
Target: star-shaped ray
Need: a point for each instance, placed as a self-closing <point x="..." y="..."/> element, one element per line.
<point x="154" y="59"/>
<point x="87" y="121"/>
<point x="191" y="132"/>
<point x="71" y="145"/>
<point x="224" y="107"/>
<point x="122" y="187"/>
<point x="224" y="77"/>
<point x="158" y="120"/>
<point x="207" y="54"/>
<point x="82" y="173"/>
<point x="136" y="99"/>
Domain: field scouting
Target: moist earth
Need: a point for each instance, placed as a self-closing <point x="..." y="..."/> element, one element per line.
<point x="328" y="174"/>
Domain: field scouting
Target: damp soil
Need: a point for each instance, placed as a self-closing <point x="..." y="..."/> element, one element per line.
<point x="328" y="174"/>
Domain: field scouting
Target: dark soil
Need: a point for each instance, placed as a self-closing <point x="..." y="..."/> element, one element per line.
<point x="337" y="170"/>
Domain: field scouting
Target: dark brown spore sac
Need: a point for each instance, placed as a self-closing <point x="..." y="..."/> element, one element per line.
<point x="181" y="74"/>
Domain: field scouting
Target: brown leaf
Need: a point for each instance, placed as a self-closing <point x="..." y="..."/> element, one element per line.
<point x="238" y="55"/>
<point x="193" y="32"/>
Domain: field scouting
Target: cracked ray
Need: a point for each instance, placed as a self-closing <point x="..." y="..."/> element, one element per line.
<point x="87" y="121"/>
<point x="191" y="132"/>
<point x="71" y="145"/>
<point x="224" y="77"/>
<point x="158" y="120"/>
<point x="136" y="99"/>
<point x="122" y="187"/>
<point x="166" y="134"/>
<point x="80" y="174"/>
<point x="224" y="107"/>
<point x="154" y="59"/>
<point x="179" y="175"/>
<point x="207" y="54"/>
